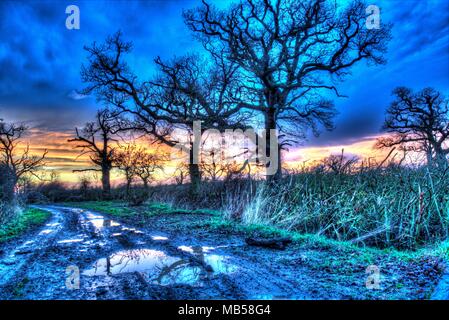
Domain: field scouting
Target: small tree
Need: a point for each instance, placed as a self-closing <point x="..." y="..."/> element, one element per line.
<point x="418" y="122"/>
<point x="126" y="160"/>
<point x="148" y="164"/>
<point x="138" y="162"/>
<point x="17" y="161"/>
<point x="181" y="172"/>
<point x="340" y="164"/>
<point x="85" y="183"/>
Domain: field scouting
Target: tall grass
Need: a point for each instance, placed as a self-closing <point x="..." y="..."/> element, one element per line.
<point x="396" y="206"/>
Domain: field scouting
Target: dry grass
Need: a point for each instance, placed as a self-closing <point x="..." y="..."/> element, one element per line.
<point x="389" y="207"/>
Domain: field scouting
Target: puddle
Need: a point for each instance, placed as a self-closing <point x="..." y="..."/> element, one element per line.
<point x="55" y="224"/>
<point x="159" y="238"/>
<point x="46" y="231"/>
<point x="218" y="263"/>
<point x="155" y="265"/>
<point x="100" y="222"/>
<point x="198" y="249"/>
<point x="134" y="230"/>
<point x="70" y="241"/>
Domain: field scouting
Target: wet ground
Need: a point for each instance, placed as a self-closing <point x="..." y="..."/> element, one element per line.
<point x="81" y="254"/>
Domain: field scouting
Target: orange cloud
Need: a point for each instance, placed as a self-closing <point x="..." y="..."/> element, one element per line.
<point x="62" y="158"/>
<point x="363" y="149"/>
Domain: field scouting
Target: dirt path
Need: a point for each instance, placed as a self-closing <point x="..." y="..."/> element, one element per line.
<point x="118" y="261"/>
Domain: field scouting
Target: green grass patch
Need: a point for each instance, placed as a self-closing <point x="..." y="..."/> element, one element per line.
<point x="121" y="209"/>
<point x="366" y="254"/>
<point x="216" y="222"/>
<point x="28" y="219"/>
<point x="114" y="208"/>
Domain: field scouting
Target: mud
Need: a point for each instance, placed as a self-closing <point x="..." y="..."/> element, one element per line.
<point x="172" y="257"/>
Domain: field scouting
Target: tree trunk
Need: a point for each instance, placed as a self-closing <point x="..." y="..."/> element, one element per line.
<point x="441" y="159"/>
<point x="128" y="186"/>
<point x="145" y="184"/>
<point x="429" y="156"/>
<point x="275" y="172"/>
<point x="7" y="184"/>
<point x="195" y="178"/>
<point x="194" y="168"/>
<point x="106" y="181"/>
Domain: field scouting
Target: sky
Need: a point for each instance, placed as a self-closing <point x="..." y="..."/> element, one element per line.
<point x="40" y="62"/>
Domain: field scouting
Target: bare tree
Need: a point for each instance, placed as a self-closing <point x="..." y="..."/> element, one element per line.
<point x="287" y="50"/>
<point x="138" y="162"/>
<point x="85" y="183"/>
<point x="126" y="160"/>
<point x="186" y="89"/>
<point x="418" y="122"/>
<point x="19" y="161"/>
<point x="340" y="164"/>
<point x="96" y="140"/>
<point x="181" y="173"/>
<point x="148" y="164"/>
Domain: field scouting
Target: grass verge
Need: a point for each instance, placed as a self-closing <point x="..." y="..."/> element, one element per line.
<point x="27" y="220"/>
<point x="121" y="209"/>
<point x="216" y="222"/>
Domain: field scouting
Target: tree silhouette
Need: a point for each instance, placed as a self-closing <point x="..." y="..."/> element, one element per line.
<point x="186" y="89"/>
<point x="95" y="140"/>
<point x="418" y="122"/>
<point x="125" y="160"/>
<point x="18" y="161"/>
<point x="287" y="50"/>
<point x="148" y="164"/>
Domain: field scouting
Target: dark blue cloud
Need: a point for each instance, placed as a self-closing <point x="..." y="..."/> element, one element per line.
<point x="40" y="59"/>
<point x="418" y="57"/>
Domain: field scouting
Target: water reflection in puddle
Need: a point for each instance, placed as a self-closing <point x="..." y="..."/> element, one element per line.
<point x="218" y="263"/>
<point x="46" y="231"/>
<point x="155" y="265"/>
<point x="55" y="224"/>
<point x="100" y="222"/>
<point x="159" y="238"/>
<point x="198" y="249"/>
<point x="70" y="241"/>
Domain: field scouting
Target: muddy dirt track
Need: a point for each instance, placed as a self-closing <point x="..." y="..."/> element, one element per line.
<point x="169" y="258"/>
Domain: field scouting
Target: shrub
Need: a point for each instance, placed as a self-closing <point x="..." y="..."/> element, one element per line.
<point x="6" y="184"/>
